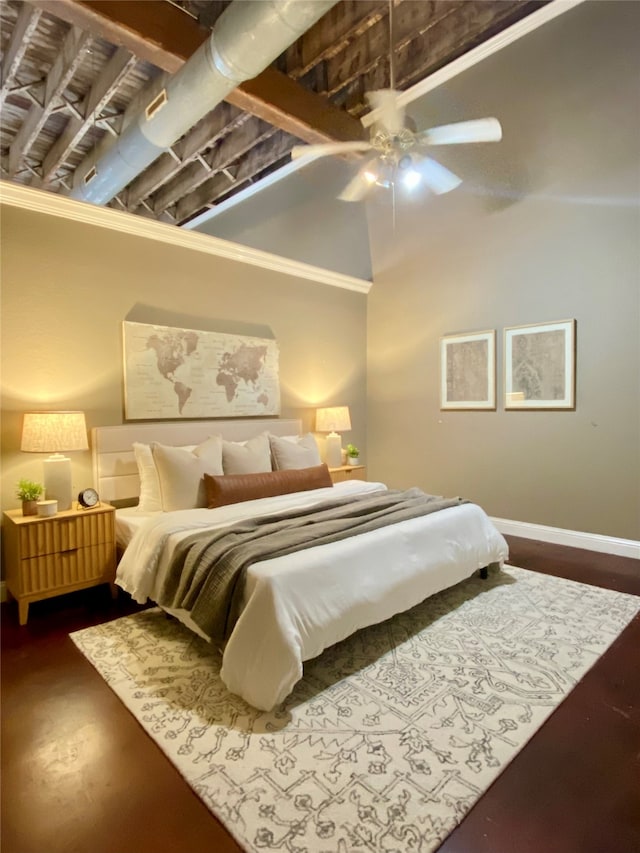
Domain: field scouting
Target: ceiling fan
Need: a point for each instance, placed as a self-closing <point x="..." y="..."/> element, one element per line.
<point x="399" y="149"/>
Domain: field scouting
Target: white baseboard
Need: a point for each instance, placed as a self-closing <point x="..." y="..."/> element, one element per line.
<point x="3" y="591"/>
<point x="573" y="538"/>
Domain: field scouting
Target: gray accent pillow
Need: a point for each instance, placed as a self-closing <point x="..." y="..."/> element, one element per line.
<point x="181" y="472"/>
<point x="294" y="451"/>
<point x="247" y="457"/>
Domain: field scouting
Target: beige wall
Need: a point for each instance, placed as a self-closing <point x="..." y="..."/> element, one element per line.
<point x="67" y="287"/>
<point x="301" y="217"/>
<point x="545" y="227"/>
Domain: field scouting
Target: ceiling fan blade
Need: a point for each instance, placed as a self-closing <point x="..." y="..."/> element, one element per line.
<point x="437" y="177"/>
<point x="328" y="148"/>
<point x="359" y="186"/>
<point x="478" y="130"/>
<point x="391" y="111"/>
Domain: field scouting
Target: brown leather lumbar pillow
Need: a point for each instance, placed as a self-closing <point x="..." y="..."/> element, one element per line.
<point x="234" y="488"/>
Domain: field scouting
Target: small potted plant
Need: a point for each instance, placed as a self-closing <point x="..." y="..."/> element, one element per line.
<point x="29" y="492"/>
<point x="353" y="454"/>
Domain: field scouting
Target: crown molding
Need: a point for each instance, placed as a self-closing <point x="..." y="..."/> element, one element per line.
<point x="18" y="195"/>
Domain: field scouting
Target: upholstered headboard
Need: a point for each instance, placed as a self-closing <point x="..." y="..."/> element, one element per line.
<point x="114" y="467"/>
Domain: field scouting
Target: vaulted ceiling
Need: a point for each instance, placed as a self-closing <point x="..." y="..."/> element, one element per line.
<point x="74" y="72"/>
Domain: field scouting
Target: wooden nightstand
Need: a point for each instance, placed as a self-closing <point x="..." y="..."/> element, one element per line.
<point x="348" y="472"/>
<point x="50" y="556"/>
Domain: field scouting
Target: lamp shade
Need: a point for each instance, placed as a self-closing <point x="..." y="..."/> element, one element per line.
<point x="333" y="419"/>
<point x="53" y="432"/>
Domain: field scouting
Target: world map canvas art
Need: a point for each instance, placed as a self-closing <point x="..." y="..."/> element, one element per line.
<point x="186" y="373"/>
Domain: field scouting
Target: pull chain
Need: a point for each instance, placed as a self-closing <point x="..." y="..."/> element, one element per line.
<point x="392" y="70"/>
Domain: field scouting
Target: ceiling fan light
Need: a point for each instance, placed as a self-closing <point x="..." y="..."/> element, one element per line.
<point x="411" y="179"/>
<point x="370" y="176"/>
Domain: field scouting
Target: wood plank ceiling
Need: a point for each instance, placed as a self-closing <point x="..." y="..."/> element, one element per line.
<point x="73" y="71"/>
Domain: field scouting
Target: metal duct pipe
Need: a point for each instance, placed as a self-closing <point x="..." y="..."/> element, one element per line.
<point x="247" y="37"/>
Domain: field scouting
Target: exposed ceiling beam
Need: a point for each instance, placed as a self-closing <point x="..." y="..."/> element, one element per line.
<point x="20" y="37"/>
<point x="279" y="100"/>
<point x="258" y="159"/>
<point x="102" y="90"/>
<point x="412" y="24"/>
<point x="152" y="30"/>
<point x="213" y="126"/>
<point x="58" y="77"/>
<point x="228" y="151"/>
<point x="350" y="19"/>
<point x="429" y="34"/>
<point x="163" y="35"/>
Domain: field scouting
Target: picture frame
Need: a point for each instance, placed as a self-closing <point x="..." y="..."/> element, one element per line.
<point x="540" y="366"/>
<point x="468" y="371"/>
<point x="172" y="373"/>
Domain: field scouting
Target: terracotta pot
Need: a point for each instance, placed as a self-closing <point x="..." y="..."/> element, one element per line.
<point x="29" y="507"/>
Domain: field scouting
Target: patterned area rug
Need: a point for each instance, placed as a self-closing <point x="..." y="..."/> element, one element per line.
<point x="391" y="736"/>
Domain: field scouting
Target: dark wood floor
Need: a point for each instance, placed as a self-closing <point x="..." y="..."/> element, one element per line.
<point x="80" y="776"/>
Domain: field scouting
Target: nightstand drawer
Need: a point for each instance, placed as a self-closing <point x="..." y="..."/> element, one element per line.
<point x="60" y="553"/>
<point x="68" y="568"/>
<point x="60" y="534"/>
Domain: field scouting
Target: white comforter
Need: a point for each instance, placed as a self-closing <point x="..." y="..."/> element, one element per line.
<point x="296" y="606"/>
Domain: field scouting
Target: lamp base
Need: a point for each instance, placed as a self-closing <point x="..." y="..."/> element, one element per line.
<point x="57" y="480"/>
<point x="333" y="450"/>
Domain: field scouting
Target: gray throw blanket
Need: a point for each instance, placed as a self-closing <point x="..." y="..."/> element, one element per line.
<point x="206" y="575"/>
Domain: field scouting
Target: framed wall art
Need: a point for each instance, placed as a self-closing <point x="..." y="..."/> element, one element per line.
<point x="540" y="366"/>
<point x="172" y="373"/>
<point x="468" y="371"/>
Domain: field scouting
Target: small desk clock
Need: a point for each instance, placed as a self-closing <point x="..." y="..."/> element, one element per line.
<point x="88" y="498"/>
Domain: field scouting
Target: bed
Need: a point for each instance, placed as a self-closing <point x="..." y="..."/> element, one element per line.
<point x="296" y="605"/>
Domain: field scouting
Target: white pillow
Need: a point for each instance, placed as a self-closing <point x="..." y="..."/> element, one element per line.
<point x="181" y="472"/>
<point x="292" y="451"/>
<point x="150" y="499"/>
<point x="247" y="457"/>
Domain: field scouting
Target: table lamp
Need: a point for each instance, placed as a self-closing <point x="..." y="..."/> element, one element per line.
<point x="55" y="433"/>
<point x="333" y="420"/>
